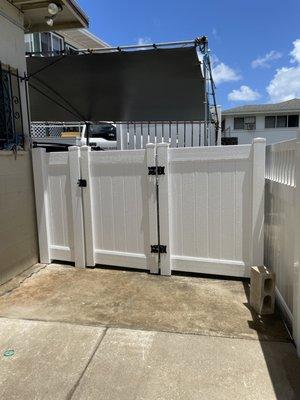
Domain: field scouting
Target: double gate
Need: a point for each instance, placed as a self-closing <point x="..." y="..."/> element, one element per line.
<point x="160" y="209"/>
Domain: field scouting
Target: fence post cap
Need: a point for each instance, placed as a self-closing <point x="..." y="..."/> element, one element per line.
<point x="73" y="148"/>
<point x="259" y="140"/>
<point x="163" y="144"/>
<point x="150" y="145"/>
<point x="85" y="148"/>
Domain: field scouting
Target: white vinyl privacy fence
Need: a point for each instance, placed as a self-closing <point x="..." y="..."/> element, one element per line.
<point x="136" y="135"/>
<point x="159" y="209"/>
<point x="282" y="226"/>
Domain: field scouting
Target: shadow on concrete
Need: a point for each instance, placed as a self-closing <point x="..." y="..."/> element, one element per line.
<point x="279" y="353"/>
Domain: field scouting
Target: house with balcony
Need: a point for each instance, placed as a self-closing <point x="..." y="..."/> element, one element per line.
<point x="276" y="122"/>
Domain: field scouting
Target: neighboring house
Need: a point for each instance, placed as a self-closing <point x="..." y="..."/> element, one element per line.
<point x="66" y="41"/>
<point x="275" y="122"/>
<point x="18" y="238"/>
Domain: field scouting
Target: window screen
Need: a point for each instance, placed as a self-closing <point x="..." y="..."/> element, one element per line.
<point x="281" y="121"/>
<point x="239" y="123"/>
<point x="270" y="122"/>
<point x="293" y="121"/>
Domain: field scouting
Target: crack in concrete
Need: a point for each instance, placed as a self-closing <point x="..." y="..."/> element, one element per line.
<point x="72" y="391"/>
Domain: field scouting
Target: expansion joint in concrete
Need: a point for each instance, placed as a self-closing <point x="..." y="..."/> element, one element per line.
<point x="72" y="391"/>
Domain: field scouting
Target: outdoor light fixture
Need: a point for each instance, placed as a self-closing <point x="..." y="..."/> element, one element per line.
<point x="54" y="8"/>
<point x="49" y="20"/>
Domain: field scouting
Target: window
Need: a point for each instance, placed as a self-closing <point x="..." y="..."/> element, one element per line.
<point x="36" y="42"/>
<point x="250" y="123"/>
<point x="281" y="121"/>
<point x="28" y="43"/>
<point x="239" y="123"/>
<point x="293" y="121"/>
<point x="46" y="42"/>
<point x="270" y="122"/>
<point x="245" y="123"/>
<point x="57" y="43"/>
<point x="11" y="123"/>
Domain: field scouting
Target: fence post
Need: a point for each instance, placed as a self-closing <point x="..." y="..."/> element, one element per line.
<point x="41" y="201"/>
<point x="152" y="258"/>
<point x="162" y="151"/>
<point x="85" y="153"/>
<point x="77" y="208"/>
<point x="258" y="191"/>
<point x="296" y="285"/>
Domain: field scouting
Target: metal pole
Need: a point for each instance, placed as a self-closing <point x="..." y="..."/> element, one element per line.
<point x="120" y="48"/>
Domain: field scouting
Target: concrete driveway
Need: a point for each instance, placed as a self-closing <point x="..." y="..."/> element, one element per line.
<point x="68" y="333"/>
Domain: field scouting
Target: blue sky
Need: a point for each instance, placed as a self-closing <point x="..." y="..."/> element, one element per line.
<point x="253" y="43"/>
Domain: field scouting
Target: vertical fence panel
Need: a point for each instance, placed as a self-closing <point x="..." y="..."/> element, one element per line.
<point x="159" y="132"/>
<point x="181" y="135"/>
<point x="152" y="132"/>
<point x="188" y="134"/>
<point x="138" y="136"/>
<point x="173" y="129"/>
<point x="166" y="132"/>
<point x="164" y="207"/>
<point x="87" y="204"/>
<point x="196" y="134"/>
<point x="145" y="130"/>
<point x="77" y="207"/>
<point x="42" y="207"/>
<point x="258" y="188"/>
<point x="131" y="138"/>
<point x="296" y="277"/>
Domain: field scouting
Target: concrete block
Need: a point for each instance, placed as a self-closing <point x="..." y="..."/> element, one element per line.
<point x="262" y="290"/>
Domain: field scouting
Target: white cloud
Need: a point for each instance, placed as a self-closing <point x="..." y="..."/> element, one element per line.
<point x="244" y="93"/>
<point x="144" y="40"/>
<point x="223" y="73"/>
<point x="295" y="53"/>
<point x="265" y="61"/>
<point x="285" y="84"/>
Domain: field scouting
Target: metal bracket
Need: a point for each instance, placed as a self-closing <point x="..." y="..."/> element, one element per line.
<point x="156" y="170"/>
<point x="82" y="183"/>
<point x="158" y="248"/>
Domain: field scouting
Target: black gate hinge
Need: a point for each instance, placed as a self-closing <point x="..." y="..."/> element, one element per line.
<point x="82" y="183"/>
<point x="158" y="248"/>
<point x="156" y="170"/>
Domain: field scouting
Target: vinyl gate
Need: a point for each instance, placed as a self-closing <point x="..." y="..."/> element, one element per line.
<point x="160" y="209"/>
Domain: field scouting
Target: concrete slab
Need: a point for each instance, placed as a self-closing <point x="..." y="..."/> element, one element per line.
<point x="140" y="301"/>
<point x="141" y="365"/>
<point x="48" y="359"/>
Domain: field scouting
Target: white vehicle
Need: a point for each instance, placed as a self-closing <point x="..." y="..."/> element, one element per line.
<point x="102" y="136"/>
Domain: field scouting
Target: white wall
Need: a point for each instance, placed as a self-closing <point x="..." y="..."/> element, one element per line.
<point x="18" y="238"/>
<point x="271" y="135"/>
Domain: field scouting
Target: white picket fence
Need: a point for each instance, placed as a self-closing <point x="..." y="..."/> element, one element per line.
<point x="160" y="209"/>
<point x="282" y="226"/>
<point x="136" y="135"/>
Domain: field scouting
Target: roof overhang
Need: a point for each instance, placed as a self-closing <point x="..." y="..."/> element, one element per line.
<point x="250" y="113"/>
<point x="35" y="11"/>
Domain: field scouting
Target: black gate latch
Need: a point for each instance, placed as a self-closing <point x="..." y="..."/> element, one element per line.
<point x="160" y="170"/>
<point x="82" y="183"/>
<point x="155" y="248"/>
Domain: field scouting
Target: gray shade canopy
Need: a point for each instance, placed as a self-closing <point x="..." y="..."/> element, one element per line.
<point x="144" y="85"/>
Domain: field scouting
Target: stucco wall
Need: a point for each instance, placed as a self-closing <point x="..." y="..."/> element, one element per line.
<point x="271" y="135"/>
<point x="18" y="237"/>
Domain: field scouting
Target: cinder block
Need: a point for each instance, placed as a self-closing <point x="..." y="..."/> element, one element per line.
<point x="262" y="290"/>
